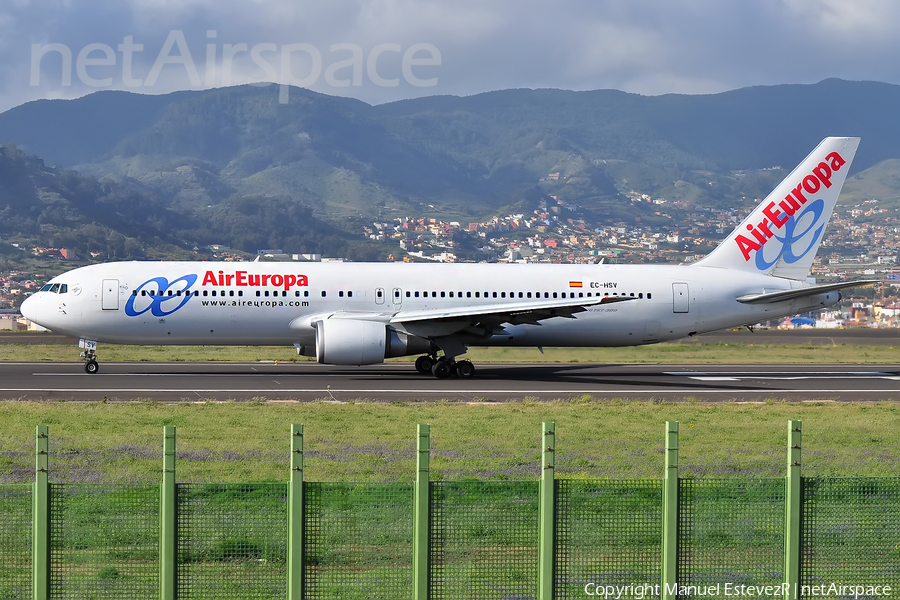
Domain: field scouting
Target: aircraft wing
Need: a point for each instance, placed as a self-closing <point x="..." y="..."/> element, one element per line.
<point x="446" y="321"/>
<point x="771" y="297"/>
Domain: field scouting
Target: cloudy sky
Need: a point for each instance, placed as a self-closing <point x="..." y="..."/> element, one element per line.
<point x="384" y="50"/>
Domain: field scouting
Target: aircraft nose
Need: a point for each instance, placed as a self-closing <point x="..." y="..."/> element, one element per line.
<point x="28" y="308"/>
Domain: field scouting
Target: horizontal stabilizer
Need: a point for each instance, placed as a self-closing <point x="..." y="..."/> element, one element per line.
<point x="771" y="297"/>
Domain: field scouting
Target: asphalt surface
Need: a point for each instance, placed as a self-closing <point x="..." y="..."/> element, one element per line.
<point x="179" y="381"/>
<point x="176" y="382"/>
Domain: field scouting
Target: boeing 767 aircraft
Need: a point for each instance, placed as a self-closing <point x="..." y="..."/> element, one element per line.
<point x="362" y="313"/>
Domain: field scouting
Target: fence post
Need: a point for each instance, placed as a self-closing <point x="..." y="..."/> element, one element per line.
<point x="670" y="513"/>
<point x="40" y="560"/>
<point x="547" y="539"/>
<point x="296" y="562"/>
<point x="421" y="500"/>
<point x="792" y="516"/>
<point x="167" y="529"/>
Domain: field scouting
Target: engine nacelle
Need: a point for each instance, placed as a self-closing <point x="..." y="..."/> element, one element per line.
<point x="358" y="342"/>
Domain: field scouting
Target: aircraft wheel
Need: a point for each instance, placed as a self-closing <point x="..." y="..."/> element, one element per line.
<point x="442" y="369"/>
<point x="91" y="367"/>
<point x="465" y="369"/>
<point x="424" y="364"/>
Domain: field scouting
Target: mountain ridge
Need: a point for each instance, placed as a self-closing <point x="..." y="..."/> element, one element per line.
<point x="333" y="162"/>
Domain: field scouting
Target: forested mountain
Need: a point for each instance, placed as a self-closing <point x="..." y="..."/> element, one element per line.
<point x="60" y="207"/>
<point x="235" y="166"/>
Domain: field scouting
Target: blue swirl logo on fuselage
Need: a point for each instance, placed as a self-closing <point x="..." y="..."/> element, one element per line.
<point x="157" y="300"/>
<point x="791" y="237"/>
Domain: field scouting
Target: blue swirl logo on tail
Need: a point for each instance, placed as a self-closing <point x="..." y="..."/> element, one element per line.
<point x="157" y="301"/>
<point x="792" y="236"/>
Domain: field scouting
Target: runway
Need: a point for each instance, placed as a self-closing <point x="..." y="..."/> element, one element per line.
<point x="177" y="382"/>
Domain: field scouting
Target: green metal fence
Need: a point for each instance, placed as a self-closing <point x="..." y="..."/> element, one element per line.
<point x="232" y="540"/>
<point x="15" y="541"/>
<point x="358" y="540"/>
<point x="504" y="540"/>
<point x="103" y="541"/>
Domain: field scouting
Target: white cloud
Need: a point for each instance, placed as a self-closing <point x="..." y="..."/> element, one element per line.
<point x="647" y="46"/>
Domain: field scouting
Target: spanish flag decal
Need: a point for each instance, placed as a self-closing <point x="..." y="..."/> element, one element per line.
<point x="575" y="284"/>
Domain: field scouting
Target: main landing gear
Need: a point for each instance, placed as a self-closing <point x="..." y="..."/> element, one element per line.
<point x="443" y="368"/>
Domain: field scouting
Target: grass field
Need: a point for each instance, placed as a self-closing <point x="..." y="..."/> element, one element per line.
<point x="234" y="442"/>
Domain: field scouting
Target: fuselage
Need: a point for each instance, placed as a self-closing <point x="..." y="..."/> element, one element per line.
<point x="189" y="303"/>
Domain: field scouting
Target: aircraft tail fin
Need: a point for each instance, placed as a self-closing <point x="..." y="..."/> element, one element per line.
<point x="781" y="236"/>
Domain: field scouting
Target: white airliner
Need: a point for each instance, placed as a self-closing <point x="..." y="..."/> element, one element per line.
<point x="362" y="313"/>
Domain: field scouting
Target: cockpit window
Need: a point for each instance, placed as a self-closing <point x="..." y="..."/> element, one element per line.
<point x="45" y="288"/>
<point x="63" y="288"/>
<point x="54" y="288"/>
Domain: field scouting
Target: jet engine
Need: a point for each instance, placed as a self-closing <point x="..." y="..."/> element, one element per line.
<point x="358" y="342"/>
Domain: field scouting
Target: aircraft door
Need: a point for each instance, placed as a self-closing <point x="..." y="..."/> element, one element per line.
<point x="398" y="296"/>
<point x="379" y="296"/>
<point x="110" y="294"/>
<point x="681" y="302"/>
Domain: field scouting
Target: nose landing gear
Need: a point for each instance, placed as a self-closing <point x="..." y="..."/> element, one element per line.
<point x="89" y="356"/>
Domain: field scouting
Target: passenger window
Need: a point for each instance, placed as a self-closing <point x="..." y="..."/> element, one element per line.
<point x="443" y="294"/>
<point x="240" y="293"/>
<point x="340" y="294"/>
<point x="349" y="294"/>
<point x="503" y="294"/>
<point x="528" y="295"/>
<point x="231" y="293"/>
<point x="468" y="294"/>
<point x="520" y="294"/>
<point x="323" y="293"/>
<point x="649" y="296"/>
<point x="306" y="293"/>
<point x="478" y="294"/>
<point x="451" y="294"/>
<point x="178" y="293"/>
<point x="407" y="294"/>
<point x="434" y="294"/>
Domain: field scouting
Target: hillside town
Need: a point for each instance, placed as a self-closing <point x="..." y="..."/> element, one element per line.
<point x="861" y="241"/>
